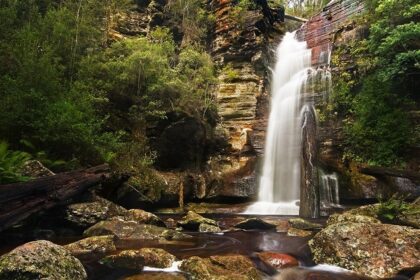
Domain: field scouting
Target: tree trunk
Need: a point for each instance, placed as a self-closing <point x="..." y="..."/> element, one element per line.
<point x="20" y="200"/>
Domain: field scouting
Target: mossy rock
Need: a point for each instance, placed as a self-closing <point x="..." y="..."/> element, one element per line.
<point x="300" y="223"/>
<point x="132" y="230"/>
<point x="221" y="268"/>
<point x="95" y="245"/>
<point x="349" y="217"/>
<point x="40" y="260"/>
<point x="192" y="221"/>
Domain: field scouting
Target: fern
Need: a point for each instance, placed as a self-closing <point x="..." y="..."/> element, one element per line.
<point x="11" y="162"/>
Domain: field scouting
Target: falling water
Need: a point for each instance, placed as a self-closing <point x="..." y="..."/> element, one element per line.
<point x="280" y="182"/>
<point x="329" y="190"/>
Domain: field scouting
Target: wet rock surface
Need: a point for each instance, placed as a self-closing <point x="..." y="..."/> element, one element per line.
<point x="89" y="213"/>
<point x="349" y="217"/>
<point x="40" y="260"/>
<point x="299" y="223"/>
<point x="95" y="245"/>
<point x="298" y="232"/>
<point x="255" y="223"/>
<point x="142" y="217"/>
<point x="193" y="221"/>
<point x="137" y="259"/>
<point x="221" y="268"/>
<point x="278" y="261"/>
<point x="372" y="249"/>
<point x="132" y="230"/>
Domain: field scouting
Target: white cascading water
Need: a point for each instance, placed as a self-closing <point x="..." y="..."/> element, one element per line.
<point x="279" y="188"/>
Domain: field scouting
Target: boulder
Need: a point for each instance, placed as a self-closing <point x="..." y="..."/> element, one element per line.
<point x="300" y="273"/>
<point x="40" y="260"/>
<point x="300" y="223"/>
<point x="278" y="261"/>
<point x="255" y="223"/>
<point x="372" y="249"/>
<point x="348" y="217"/>
<point x="136" y="259"/>
<point x="127" y="259"/>
<point x="132" y="230"/>
<point x="95" y="245"/>
<point x="208" y="228"/>
<point x="156" y="257"/>
<point x="221" y="268"/>
<point x="192" y="221"/>
<point x="298" y="232"/>
<point x="89" y="213"/>
<point x="141" y="217"/>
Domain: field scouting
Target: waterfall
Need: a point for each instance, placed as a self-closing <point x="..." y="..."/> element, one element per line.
<point x="329" y="190"/>
<point x="279" y="188"/>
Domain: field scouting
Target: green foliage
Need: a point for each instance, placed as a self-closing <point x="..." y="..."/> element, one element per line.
<point x="390" y="210"/>
<point x="239" y="11"/>
<point x="230" y="73"/>
<point x="377" y="84"/>
<point x="11" y="163"/>
<point x="194" y="18"/>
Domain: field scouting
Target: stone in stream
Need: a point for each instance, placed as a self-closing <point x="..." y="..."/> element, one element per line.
<point x="132" y="230"/>
<point x="221" y="268"/>
<point x="137" y="259"/>
<point x="300" y="223"/>
<point x="89" y="213"/>
<point x="298" y="273"/>
<point x="298" y="232"/>
<point x="372" y="249"/>
<point x="277" y="260"/>
<point x="348" y="217"/>
<point x="40" y="260"/>
<point x="142" y="217"/>
<point x="192" y="221"/>
<point x="95" y="245"/>
<point x="255" y="223"/>
<point x="208" y="228"/>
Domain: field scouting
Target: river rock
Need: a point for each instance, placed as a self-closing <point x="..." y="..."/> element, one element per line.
<point x="89" y="213"/>
<point x="255" y="223"/>
<point x="132" y="230"/>
<point x="375" y="250"/>
<point x="128" y="259"/>
<point x="277" y="260"/>
<point x="95" y="245"/>
<point x="299" y="273"/>
<point x="208" y="228"/>
<point x="221" y="268"/>
<point x="192" y="221"/>
<point x="300" y="223"/>
<point x="141" y="217"/>
<point x="298" y="232"/>
<point x="40" y="260"/>
<point x="136" y="259"/>
<point x="354" y="218"/>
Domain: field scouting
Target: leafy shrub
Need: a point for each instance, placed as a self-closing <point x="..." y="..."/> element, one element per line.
<point x="390" y="210"/>
<point x="11" y="162"/>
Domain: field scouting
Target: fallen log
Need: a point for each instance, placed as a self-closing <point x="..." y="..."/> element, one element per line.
<point x="384" y="171"/>
<point x="20" y="200"/>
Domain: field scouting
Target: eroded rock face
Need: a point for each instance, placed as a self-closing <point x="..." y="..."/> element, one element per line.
<point x="89" y="213"/>
<point x="372" y="249"/>
<point x="132" y="230"/>
<point x="40" y="260"/>
<point x="221" y="268"/>
<point x="95" y="245"/>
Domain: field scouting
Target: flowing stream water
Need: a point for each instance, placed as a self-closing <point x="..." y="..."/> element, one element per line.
<point x="280" y="181"/>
